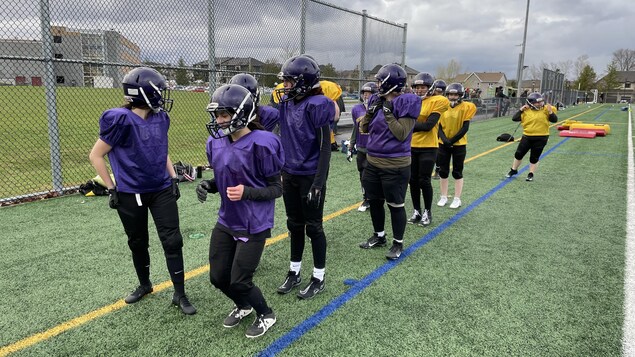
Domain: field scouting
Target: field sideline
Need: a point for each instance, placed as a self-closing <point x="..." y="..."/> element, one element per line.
<point x="522" y="269"/>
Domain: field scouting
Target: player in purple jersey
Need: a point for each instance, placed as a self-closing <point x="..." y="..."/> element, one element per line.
<point x="135" y="138"/>
<point x="305" y="117"/>
<point x="267" y="116"/>
<point x="247" y="161"/>
<point x="358" y="140"/>
<point x="389" y="121"/>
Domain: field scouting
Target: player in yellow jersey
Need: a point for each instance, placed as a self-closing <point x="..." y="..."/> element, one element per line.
<point x="453" y="127"/>
<point x="424" y="147"/>
<point x="535" y="117"/>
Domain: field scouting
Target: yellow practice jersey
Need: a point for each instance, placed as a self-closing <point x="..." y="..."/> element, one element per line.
<point x="429" y="139"/>
<point x="330" y="89"/>
<point x="452" y="120"/>
<point x="536" y="122"/>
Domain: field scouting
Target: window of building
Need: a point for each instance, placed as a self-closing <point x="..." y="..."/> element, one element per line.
<point x="59" y="79"/>
<point x="57" y="39"/>
<point x="58" y="55"/>
<point x="627" y="85"/>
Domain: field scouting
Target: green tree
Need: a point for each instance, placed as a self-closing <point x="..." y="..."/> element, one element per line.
<point x="181" y="73"/>
<point x="272" y="68"/>
<point x="586" y="80"/>
<point x="328" y="70"/>
<point x="610" y="81"/>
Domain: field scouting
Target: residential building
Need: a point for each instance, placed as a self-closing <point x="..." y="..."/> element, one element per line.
<point x="486" y="82"/>
<point x="624" y="92"/>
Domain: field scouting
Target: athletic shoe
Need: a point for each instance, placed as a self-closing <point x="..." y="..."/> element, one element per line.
<point x="364" y="206"/>
<point x="261" y="324"/>
<point x="442" y="201"/>
<point x="237" y="314"/>
<point x="314" y="287"/>
<point x="416" y="217"/>
<point x="456" y="203"/>
<point x="374" y="241"/>
<point x="292" y="280"/>
<point x="530" y="177"/>
<point x="426" y="218"/>
<point x="395" y="251"/>
<point x="511" y="173"/>
<point x="184" y="304"/>
<point x="138" y="294"/>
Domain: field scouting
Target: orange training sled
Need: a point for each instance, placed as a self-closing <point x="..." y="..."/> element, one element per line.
<point x="578" y="133"/>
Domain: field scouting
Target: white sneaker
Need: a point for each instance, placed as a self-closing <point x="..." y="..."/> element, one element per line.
<point x="442" y="201"/>
<point x="456" y="203"/>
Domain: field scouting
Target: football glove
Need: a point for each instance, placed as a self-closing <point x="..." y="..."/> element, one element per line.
<point x="314" y="197"/>
<point x="204" y="187"/>
<point x="113" y="200"/>
<point x="175" y="188"/>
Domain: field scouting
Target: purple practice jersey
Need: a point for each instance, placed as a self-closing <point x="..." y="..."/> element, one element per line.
<point x="268" y="117"/>
<point x="381" y="141"/>
<point x="298" y="125"/>
<point x="358" y="112"/>
<point x="139" y="153"/>
<point x="247" y="161"/>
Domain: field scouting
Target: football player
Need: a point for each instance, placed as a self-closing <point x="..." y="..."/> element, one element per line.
<point x="267" y="115"/>
<point x="389" y="122"/>
<point x="305" y="119"/>
<point x="359" y="140"/>
<point x="535" y="117"/>
<point x="453" y="127"/>
<point x="424" y="146"/>
<point x="135" y="138"/>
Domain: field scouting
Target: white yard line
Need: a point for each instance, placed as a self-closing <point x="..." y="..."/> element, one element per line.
<point x="628" y="338"/>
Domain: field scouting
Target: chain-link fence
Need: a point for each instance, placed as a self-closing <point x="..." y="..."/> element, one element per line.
<point x="62" y="62"/>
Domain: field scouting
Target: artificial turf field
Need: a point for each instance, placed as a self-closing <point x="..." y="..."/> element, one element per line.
<point x="523" y="268"/>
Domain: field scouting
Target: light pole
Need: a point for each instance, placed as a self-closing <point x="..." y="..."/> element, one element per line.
<point x="521" y="57"/>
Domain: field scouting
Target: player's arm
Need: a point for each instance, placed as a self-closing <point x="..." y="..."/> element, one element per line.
<point x="97" y="159"/>
<point x="427" y="125"/>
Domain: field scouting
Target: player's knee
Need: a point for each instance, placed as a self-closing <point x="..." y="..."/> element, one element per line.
<point x="444" y="172"/>
<point x="241" y="287"/>
<point x="534" y="159"/>
<point x="314" y="230"/>
<point x="518" y="155"/>
<point x="173" y="245"/>
<point x="392" y="205"/>
<point x="457" y="174"/>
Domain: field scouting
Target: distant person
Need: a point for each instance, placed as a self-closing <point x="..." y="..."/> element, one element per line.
<point x="535" y="117"/>
<point x="135" y="138"/>
<point x="453" y="127"/>
<point x="359" y="140"/>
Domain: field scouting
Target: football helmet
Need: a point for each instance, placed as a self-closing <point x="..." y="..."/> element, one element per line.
<point x="391" y="78"/>
<point x="535" y="100"/>
<point x="147" y="87"/>
<point x="304" y="72"/>
<point x="438" y="87"/>
<point x="236" y="101"/>
<point x="248" y="81"/>
<point x="455" y="88"/>
<point x="423" y="79"/>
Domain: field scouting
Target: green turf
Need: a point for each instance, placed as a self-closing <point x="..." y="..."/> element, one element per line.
<point x="536" y="269"/>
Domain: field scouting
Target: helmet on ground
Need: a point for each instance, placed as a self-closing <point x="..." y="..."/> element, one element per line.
<point x="144" y="86"/>
<point x="234" y="100"/>
<point x="391" y="78"/>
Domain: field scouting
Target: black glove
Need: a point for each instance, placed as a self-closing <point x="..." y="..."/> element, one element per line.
<point x="447" y="142"/>
<point x="113" y="200"/>
<point x="387" y="107"/>
<point x="375" y="106"/>
<point x="314" y="197"/>
<point x="204" y="187"/>
<point x="175" y="188"/>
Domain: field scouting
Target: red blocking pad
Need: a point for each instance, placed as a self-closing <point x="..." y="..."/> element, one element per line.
<point x="587" y="134"/>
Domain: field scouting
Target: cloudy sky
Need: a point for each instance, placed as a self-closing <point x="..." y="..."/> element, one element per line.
<point x="484" y="35"/>
<point x="481" y="35"/>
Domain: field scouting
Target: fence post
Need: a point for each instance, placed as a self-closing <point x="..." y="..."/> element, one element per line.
<point x="362" y="57"/>
<point x="302" y="26"/>
<point x="51" y="100"/>
<point x="403" y="47"/>
<point x="211" y="48"/>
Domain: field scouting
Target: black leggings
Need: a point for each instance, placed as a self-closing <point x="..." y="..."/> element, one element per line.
<point x="423" y="162"/>
<point x="534" y="143"/>
<point x="232" y="265"/>
<point x="457" y="154"/>
<point x="362" y="162"/>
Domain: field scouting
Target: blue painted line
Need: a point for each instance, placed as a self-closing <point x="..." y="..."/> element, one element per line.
<point x="295" y="333"/>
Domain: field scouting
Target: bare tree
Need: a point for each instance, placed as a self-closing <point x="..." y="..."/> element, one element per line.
<point x="289" y="51"/>
<point x="579" y="65"/>
<point x="624" y="59"/>
<point x="566" y="67"/>
<point x="449" y="72"/>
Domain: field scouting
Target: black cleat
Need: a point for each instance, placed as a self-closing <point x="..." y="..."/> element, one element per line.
<point x="261" y="324"/>
<point x="138" y="294"/>
<point x="236" y="315"/>
<point x="416" y="217"/>
<point x="426" y="218"/>
<point x="374" y="241"/>
<point x="290" y="282"/>
<point x="511" y="173"/>
<point x="314" y="287"/>
<point x="530" y="177"/>
<point x="395" y="251"/>
<point x="184" y="304"/>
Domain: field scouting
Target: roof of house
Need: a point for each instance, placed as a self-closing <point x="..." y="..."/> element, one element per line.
<point x="623" y="76"/>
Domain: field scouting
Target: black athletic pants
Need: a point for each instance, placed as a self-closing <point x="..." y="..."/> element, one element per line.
<point x="423" y="162"/>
